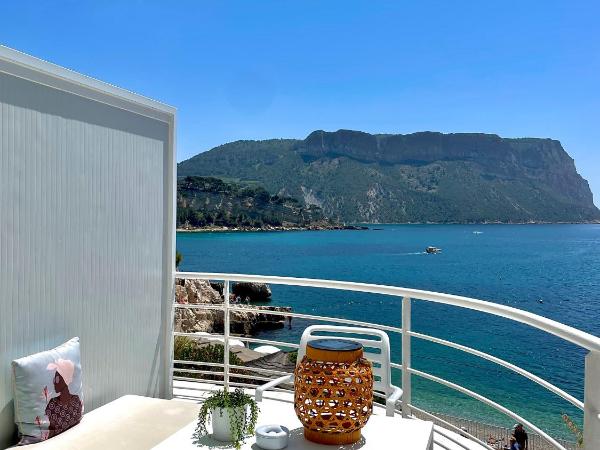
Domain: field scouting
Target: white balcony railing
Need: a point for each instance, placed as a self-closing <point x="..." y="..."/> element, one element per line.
<point x="590" y="406"/>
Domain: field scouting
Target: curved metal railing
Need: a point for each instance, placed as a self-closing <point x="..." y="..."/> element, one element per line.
<point x="591" y="406"/>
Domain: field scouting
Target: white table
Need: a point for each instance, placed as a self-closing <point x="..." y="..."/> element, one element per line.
<point x="380" y="433"/>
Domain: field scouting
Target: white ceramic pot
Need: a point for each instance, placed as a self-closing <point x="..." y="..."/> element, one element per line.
<point x="221" y="424"/>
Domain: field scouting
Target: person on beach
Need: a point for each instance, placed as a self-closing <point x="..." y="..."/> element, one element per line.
<point x="520" y="437"/>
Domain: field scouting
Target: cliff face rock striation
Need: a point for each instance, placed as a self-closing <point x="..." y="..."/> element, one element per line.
<point x="421" y="177"/>
<point x="211" y="321"/>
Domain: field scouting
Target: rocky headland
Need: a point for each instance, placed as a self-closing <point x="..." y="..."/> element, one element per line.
<point x="355" y="177"/>
<point x="196" y="292"/>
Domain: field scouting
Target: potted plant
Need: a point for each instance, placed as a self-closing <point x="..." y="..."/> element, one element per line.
<point x="233" y="416"/>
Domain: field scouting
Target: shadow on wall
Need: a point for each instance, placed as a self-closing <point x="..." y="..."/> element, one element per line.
<point x="7" y="416"/>
<point x="154" y="388"/>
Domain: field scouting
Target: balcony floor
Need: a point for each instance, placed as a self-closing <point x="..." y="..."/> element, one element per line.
<point x="381" y="432"/>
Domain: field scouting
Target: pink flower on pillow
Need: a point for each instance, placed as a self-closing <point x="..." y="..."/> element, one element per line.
<point x="38" y="422"/>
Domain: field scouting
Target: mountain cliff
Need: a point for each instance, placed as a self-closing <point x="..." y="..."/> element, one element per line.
<point x="420" y="177"/>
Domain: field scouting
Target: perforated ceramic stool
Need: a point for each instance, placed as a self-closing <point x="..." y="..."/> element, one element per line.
<point x="333" y="391"/>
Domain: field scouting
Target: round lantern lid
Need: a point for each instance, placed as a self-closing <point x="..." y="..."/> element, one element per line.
<point x="336" y="345"/>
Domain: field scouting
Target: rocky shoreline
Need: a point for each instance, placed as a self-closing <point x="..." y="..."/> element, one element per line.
<point x="195" y="292"/>
<point x="311" y="227"/>
<point x="215" y="229"/>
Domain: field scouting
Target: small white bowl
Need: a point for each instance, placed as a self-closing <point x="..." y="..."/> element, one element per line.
<point x="272" y="437"/>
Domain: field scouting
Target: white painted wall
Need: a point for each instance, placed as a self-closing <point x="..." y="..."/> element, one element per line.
<point x="86" y="229"/>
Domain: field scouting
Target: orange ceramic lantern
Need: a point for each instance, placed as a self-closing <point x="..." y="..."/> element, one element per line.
<point x="333" y="391"/>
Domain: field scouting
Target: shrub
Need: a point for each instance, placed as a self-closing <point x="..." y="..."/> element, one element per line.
<point x="186" y="349"/>
<point x="292" y="356"/>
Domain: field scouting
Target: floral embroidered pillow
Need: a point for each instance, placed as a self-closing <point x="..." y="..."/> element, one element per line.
<point x="48" y="392"/>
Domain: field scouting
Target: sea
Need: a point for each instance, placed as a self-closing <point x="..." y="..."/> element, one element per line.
<point x="550" y="270"/>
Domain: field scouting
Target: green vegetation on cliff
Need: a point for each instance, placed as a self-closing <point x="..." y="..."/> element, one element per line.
<point x="421" y="177"/>
<point x="207" y="201"/>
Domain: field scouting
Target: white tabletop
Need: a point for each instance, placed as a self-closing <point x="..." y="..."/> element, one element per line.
<point x="379" y="433"/>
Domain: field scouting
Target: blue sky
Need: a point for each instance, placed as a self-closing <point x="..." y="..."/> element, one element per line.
<point x="262" y="69"/>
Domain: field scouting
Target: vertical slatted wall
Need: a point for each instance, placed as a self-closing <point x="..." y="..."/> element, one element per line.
<point x="83" y="199"/>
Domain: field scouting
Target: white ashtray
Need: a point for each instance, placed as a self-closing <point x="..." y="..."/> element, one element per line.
<point x="272" y="437"/>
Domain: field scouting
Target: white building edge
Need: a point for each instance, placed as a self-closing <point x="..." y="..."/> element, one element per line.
<point x="87" y="242"/>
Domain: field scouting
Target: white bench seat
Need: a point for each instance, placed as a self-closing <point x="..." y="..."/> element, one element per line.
<point x="128" y="423"/>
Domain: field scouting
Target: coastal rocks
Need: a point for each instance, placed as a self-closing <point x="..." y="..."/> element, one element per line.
<point x="250" y="323"/>
<point x="355" y="227"/>
<point x="212" y="321"/>
<point x="253" y="292"/>
<point x="245" y="292"/>
<point x="196" y="291"/>
<point x="322" y="225"/>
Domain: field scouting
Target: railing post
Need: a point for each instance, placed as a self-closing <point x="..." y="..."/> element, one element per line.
<point x="591" y="419"/>
<point x="226" y="328"/>
<point x="406" y="375"/>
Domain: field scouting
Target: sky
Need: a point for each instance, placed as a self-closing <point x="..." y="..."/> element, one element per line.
<point x="270" y="69"/>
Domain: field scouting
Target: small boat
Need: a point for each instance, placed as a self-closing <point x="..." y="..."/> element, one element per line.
<point x="432" y="250"/>
<point x="477" y="232"/>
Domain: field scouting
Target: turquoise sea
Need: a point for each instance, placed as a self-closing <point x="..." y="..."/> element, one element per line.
<point x="516" y="265"/>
